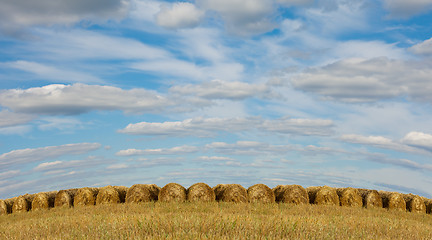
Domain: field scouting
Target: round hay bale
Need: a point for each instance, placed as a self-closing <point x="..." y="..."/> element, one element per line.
<point x="414" y="203"/>
<point x="65" y="198"/>
<point x="43" y="200"/>
<point x="86" y="196"/>
<point x="393" y="200"/>
<point x="219" y="190"/>
<point x="371" y="198"/>
<point x="22" y="203"/>
<point x="291" y="194"/>
<point x="6" y="206"/>
<point x="261" y="193"/>
<point x="323" y="195"/>
<point x="172" y="192"/>
<point x="200" y="192"/>
<point x="142" y="193"/>
<point x="122" y="190"/>
<point x="349" y="197"/>
<point x="109" y="195"/>
<point x="235" y="193"/>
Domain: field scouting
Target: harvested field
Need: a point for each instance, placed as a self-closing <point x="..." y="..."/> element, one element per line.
<point x="323" y="195"/>
<point x="349" y="197"/>
<point x="142" y="193"/>
<point x="200" y="192"/>
<point x="44" y="200"/>
<point x="65" y="198"/>
<point x="371" y="198"/>
<point x="414" y="203"/>
<point x="111" y="195"/>
<point x="86" y="196"/>
<point x="6" y="206"/>
<point x="261" y="193"/>
<point x="234" y="193"/>
<point x="291" y="194"/>
<point x="172" y="192"/>
<point x="393" y="200"/>
<point x="22" y="203"/>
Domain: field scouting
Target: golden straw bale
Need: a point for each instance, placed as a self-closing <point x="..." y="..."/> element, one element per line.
<point x="371" y="198"/>
<point x="393" y="200"/>
<point x="323" y="195"/>
<point x="109" y="195"/>
<point x="234" y="193"/>
<point x="414" y="203"/>
<point x="65" y="198"/>
<point x="122" y="190"/>
<point x="219" y="190"/>
<point x="349" y="197"/>
<point x="142" y="193"/>
<point x="291" y="194"/>
<point x="261" y="193"/>
<point x="43" y="200"/>
<point x="22" y="203"/>
<point x="6" y="206"/>
<point x="172" y="192"/>
<point x="86" y="196"/>
<point x="200" y="192"/>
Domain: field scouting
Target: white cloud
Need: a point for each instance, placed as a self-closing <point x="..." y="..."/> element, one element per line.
<point x="296" y="2"/>
<point x="419" y="140"/>
<point x="205" y="127"/>
<point x="63" y="124"/>
<point x="368" y="80"/>
<point x="117" y="166"/>
<point x="423" y="48"/>
<point x="45" y="72"/>
<point x="243" y="17"/>
<point x="413" y="142"/>
<point x="48" y="165"/>
<point x="9" y="174"/>
<point x="10" y="119"/>
<point x="79" y="98"/>
<point x="46" y="12"/>
<point x="179" y="15"/>
<point x="214" y="158"/>
<point x="406" y="9"/>
<point x="219" y="89"/>
<point x="159" y="151"/>
<point x="29" y="155"/>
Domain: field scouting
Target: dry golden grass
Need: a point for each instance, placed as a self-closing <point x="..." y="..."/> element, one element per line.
<point x="215" y="220"/>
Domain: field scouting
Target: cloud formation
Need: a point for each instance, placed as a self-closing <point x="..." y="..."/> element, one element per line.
<point x="80" y="98"/>
<point x="29" y="155"/>
<point x="424" y="48"/>
<point x="179" y="15"/>
<point x="159" y="151"/>
<point x="406" y="9"/>
<point x="368" y="80"/>
<point x="10" y="119"/>
<point x="205" y="127"/>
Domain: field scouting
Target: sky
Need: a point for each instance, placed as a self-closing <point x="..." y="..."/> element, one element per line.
<point x="308" y="92"/>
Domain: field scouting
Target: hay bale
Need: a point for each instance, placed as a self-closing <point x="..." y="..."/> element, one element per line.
<point x="219" y="190"/>
<point x="111" y="195"/>
<point x="371" y="198"/>
<point x="414" y="203"/>
<point x="65" y="198"/>
<point x="291" y="194"/>
<point x="393" y="200"/>
<point x="200" y="192"/>
<point x="323" y="195"/>
<point x="22" y="203"/>
<point x="43" y="200"/>
<point x="6" y="206"/>
<point x="142" y="193"/>
<point x="172" y="192"/>
<point x="86" y="196"/>
<point x="261" y="193"/>
<point x="349" y="197"/>
<point x="234" y="193"/>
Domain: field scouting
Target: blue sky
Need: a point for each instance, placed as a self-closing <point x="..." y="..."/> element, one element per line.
<point x="302" y="92"/>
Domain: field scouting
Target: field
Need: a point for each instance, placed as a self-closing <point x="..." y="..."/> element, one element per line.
<point x="217" y="220"/>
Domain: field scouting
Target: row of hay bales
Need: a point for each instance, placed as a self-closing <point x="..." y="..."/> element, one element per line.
<point x="295" y="194"/>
